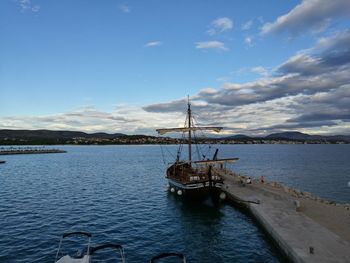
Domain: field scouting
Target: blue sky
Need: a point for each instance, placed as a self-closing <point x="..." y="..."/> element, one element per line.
<point x="127" y="66"/>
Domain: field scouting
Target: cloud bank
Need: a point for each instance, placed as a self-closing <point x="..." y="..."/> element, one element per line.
<point x="310" y="92"/>
<point x="310" y="89"/>
<point x="309" y="15"/>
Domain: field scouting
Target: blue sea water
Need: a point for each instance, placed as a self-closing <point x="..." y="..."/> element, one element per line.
<point x="119" y="194"/>
<point x="322" y="169"/>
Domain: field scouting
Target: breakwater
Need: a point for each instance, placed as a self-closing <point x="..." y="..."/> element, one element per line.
<point x="28" y="150"/>
<point x="306" y="228"/>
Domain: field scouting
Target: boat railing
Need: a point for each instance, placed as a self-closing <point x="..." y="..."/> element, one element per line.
<point x="79" y="233"/>
<point x="168" y="255"/>
<point x="114" y="246"/>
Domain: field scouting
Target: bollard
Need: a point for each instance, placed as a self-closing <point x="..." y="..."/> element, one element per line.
<point x="311" y="250"/>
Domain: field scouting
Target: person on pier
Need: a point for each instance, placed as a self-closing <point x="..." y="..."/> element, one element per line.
<point x="262" y="180"/>
<point x="249" y="180"/>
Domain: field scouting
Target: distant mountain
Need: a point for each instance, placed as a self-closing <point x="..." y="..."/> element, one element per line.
<point x="8" y="137"/>
<point x="306" y="137"/>
<point x="237" y="136"/>
<point x="289" y="136"/>
<point x="47" y="134"/>
<point x="338" y="138"/>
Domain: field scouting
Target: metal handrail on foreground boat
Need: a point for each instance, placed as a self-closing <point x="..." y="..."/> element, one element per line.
<point x="67" y="257"/>
<point x="88" y="256"/>
<point x="115" y="246"/>
<point x="85" y="257"/>
<point x="167" y="255"/>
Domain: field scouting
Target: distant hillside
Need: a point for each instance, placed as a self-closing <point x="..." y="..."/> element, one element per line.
<point x="47" y="137"/>
<point x="289" y="136"/>
<point x="307" y="137"/>
<point x="47" y="134"/>
<point x="237" y="136"/>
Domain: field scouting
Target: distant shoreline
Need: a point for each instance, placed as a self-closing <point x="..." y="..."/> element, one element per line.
<point x="274" y="142"/>
<point x="48" y="137"/>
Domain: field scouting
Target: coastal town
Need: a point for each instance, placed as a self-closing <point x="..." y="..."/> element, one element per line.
<point x="144" y="139"/>
<point x="167" y="140"/>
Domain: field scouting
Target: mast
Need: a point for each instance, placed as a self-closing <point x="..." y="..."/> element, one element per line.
<point x="189" y="132"/>
<point x="189" y="129"/>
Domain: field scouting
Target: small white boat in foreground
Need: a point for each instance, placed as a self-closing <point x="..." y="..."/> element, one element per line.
<point x="85" y="255"/>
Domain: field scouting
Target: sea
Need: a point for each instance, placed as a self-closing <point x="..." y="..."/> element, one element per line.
<point x="120" y="195"/>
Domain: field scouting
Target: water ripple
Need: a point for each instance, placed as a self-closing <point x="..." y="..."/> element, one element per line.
<point x="118" y="193"/>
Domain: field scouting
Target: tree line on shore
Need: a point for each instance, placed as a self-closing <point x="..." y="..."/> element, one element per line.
<point x="47" y="137"/>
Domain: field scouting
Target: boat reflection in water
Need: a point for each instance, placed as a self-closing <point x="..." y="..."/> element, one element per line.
<point x="196" y="179"/>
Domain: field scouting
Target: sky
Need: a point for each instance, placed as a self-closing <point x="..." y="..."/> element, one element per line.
<point x="255" y="67"/>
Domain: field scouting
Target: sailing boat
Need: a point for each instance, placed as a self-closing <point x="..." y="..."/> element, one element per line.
<point x="196" y="179"/>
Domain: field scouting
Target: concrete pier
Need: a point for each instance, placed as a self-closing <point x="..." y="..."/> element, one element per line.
<point x="307" y="229"/>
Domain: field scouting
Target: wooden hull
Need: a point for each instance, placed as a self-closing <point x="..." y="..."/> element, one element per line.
<point x="198" y="192"/>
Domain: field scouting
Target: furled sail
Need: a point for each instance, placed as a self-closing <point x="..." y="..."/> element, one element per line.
<point x="186" y="129"/>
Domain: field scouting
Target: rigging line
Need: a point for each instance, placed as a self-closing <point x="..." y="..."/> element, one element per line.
<point x="179" y="150"/>
<point x="198" y="148"/>
<point x="208" y="152"/>
<point x="183" y="139"/>
<point x="198" y="151"/>
<point x="169" y="152"/>
<point x="163" y="156"/>
<point x="161" y="149"/>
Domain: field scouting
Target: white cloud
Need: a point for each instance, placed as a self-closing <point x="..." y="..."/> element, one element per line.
<point x="220" y="25"/>
<point x="27" y="5"/>
<point x="308" y="92"/>
<point x="261" y="71"/>
<point x="208" y="91"/>
<point x="247" y="25"/>
<point x="153" y="44"/>
<point x="309" y="15"/>
<point x="215" y="45"/>
<point x="248" y="41"/>
<point x="36" y="8"/>
<point x="334" y="41"/>
<point x="124" y="119"/>
<point x="125" y="8"/>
